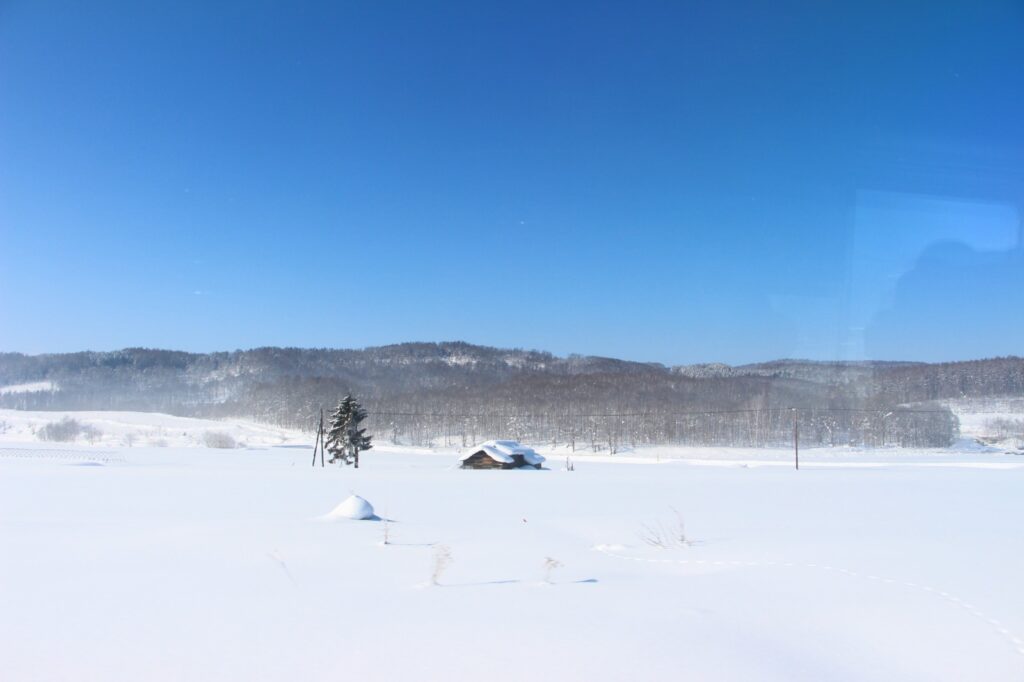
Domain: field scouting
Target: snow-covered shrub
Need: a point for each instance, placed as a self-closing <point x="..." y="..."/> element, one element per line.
<point x="442" y="560"/>
<point x="219" y="439"/>
<point x="550" y="565"/>
<point x="668" y="534"/>
<point x="91" y="433"/>
<point x="64" y="431"/>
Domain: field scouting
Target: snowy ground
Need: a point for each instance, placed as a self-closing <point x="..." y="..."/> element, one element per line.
<point x="170" y="563"/>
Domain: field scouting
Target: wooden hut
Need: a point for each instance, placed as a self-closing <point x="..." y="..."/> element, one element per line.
<point x="501" y="454"/>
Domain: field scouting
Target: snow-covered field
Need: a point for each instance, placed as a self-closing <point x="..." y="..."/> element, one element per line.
<point x="173" y="563"/>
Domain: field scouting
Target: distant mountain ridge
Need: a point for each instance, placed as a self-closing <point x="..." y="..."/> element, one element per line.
<point x="453" y="358"/>
<point x="384" y="369"/>
<point x="327" y="361"/>
<point x="813" y="370"/>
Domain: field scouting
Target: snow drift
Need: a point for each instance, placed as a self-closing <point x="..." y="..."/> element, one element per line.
<point x="354" y="507"/>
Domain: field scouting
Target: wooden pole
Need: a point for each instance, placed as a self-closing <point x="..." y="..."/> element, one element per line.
<point x="796" y="438"/>
<point x="316" y="443"/>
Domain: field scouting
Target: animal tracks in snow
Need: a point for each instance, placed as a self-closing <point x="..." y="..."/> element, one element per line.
<point x="1015" y="641"/>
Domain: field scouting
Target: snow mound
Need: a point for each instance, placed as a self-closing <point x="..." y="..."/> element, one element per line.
<point x="354" y="507"/>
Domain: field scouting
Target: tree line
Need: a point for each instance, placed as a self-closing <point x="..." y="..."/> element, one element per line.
<point x="419" y="393"/>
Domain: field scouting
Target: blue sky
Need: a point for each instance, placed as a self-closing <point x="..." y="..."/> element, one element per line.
<point x="674" y="182"/>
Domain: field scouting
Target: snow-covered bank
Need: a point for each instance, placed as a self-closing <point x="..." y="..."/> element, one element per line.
<point x="996" y="421"/>
<point x="170" y="563"/>
<point x="152" y="429"/>
<point x="32" y="387"/>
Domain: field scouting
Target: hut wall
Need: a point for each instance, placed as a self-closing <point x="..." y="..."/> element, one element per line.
<point x="482" y="461"/>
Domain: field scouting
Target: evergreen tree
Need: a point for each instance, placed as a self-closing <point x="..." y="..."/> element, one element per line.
<point x="345" y="439"/>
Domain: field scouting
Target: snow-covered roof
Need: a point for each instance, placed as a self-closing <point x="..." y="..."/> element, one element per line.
<point x="503" y="451"/>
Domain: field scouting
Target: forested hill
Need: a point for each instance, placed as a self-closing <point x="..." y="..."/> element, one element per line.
<point x="276" y="382"/>
<point x="289" y="385"/>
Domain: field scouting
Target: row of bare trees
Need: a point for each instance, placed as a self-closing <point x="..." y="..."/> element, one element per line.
<point x="933" y="427"/>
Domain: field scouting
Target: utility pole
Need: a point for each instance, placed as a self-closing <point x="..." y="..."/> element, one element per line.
<point x="796" y="437"/>
<point x="316" y="444"/>
<point x="319" y="443"/>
